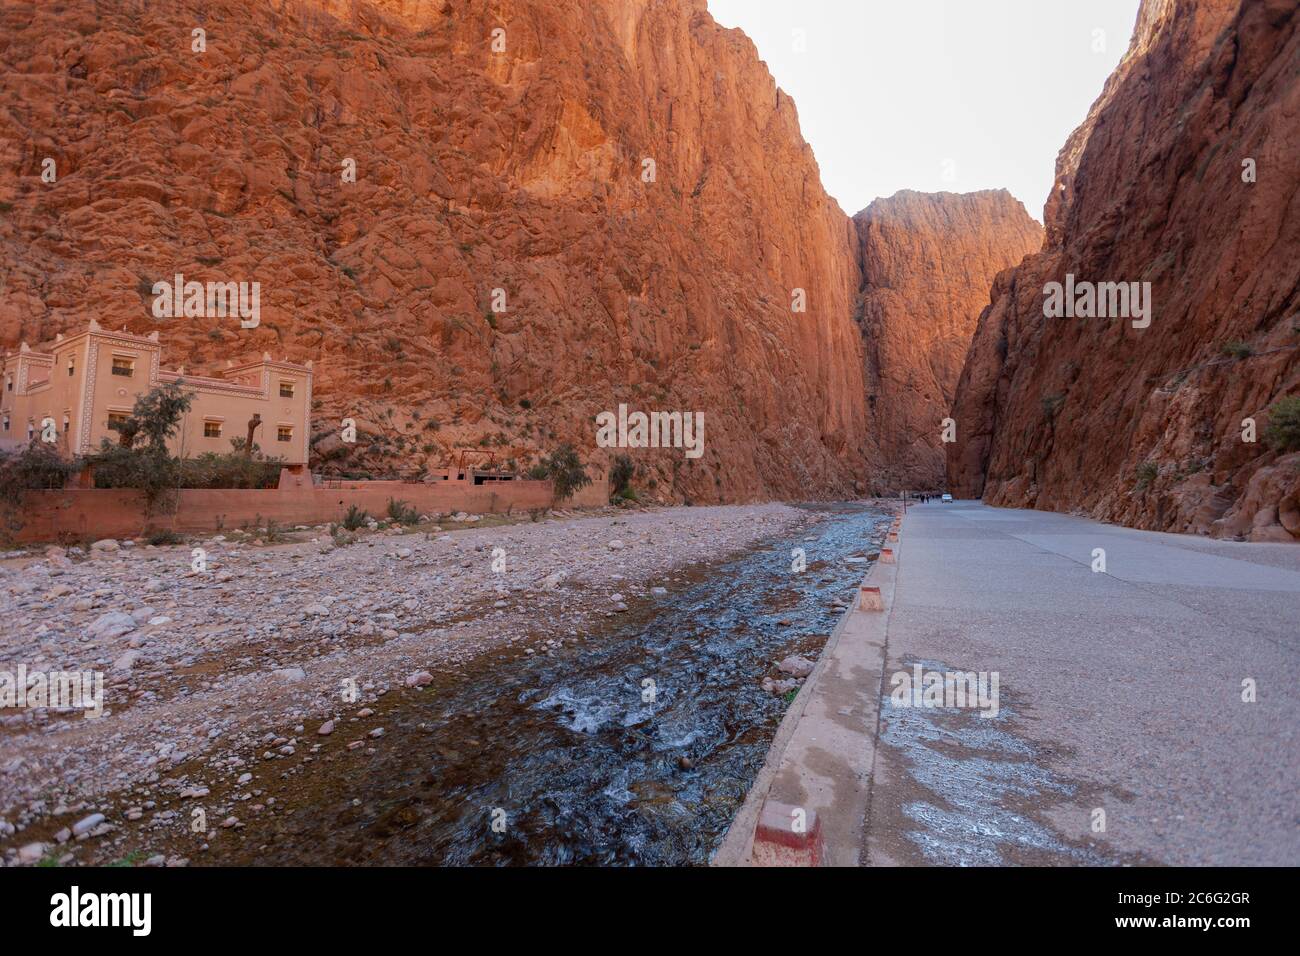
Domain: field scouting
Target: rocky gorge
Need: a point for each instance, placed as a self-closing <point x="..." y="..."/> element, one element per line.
<point x="486" y="224"/>
<point x="492" y="226"/>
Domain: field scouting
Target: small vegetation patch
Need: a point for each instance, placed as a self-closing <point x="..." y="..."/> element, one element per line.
<point x="1145" y="474"/>
<point x="402" y="513"/>
<point x="1283" y="430"/>
<point x="355" y="518"/>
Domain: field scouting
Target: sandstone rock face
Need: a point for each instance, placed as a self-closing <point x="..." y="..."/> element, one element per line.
<point x="927" y="261"/>
<point x="1144" y="426"/>
<point x="524" y="169"/>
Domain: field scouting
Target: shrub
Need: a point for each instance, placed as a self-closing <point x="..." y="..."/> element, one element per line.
<point x="164" y="537"/>
<point x="402" y="513"/>
<point x="1052" y="404"/>
<point x="34" y="467"/>
<point x="1146" y="473"/>
<point x="1283" y="430"/>
<point x="230" y="470"/>
<point x="355" y="518"/>
<point x="150" y="470"/>
<point x="1238" y="350"/>
<point x="620" y="476"/>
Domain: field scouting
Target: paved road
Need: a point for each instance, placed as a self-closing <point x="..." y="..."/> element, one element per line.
<point x="1118" y="691"/>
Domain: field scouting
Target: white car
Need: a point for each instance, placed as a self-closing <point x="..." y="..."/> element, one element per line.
<point x="946" y="497"/>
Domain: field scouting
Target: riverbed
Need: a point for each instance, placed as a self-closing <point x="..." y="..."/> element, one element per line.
<point x="633" y="745"/>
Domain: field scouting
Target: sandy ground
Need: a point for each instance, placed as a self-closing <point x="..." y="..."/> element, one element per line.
<point x="273" y="642"/>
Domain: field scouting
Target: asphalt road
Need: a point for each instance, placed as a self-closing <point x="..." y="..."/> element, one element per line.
<point x="1118" y="691"/>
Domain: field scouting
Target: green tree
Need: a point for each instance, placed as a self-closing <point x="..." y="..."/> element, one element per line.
<point x="141" y="458"/>
<point x="564" y="468"/>
<point x="157" y="414"/>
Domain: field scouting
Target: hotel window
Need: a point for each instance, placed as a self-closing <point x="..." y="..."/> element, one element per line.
<point x="31" y="430"/>
<point x="284" y="433"/>
<point x="212" y="429"/>
<point x="72" y="364"/>
<point x="9" y="383"/>
<point x="6" y="423"/>
<point x="286" y="389"/>
<point x="123" y="366"/>
<point x="66" y="423"/>
<point x="119" y="418"/>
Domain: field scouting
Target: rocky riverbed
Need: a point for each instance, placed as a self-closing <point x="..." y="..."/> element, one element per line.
<point x="273" y="652"/>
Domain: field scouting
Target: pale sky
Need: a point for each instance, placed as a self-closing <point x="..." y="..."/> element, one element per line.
<point x="934" y="95"/>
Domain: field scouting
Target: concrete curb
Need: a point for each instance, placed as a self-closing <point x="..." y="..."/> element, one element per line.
<point x="818" y="769"/>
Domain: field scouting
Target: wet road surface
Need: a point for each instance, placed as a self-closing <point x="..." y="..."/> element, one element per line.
<point x="1148" y="713"/>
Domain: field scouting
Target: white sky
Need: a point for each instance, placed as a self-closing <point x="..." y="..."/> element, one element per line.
<point x="935" y="95"/>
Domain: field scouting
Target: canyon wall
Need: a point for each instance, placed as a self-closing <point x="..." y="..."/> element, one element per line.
<point x="626" y="173"/>
<point x="485" y="223"/>
<point x="927" y="261"/>
<point x="1183" y="175"/>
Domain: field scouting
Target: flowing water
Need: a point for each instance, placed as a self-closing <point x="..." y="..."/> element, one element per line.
<point x="576" y="757"/>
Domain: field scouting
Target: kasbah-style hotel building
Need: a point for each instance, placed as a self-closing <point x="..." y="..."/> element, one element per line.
<point x="84" y="381"/>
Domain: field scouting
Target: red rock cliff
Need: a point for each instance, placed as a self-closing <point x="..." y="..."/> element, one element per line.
<point x="520" y="170"/>
<point x="928" y="260"/>
<point x="1144" y="426"/>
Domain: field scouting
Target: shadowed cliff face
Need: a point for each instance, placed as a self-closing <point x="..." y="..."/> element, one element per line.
<point x="1144" y="425"/>
<point x="523" y="170"/>
<point x="927" y="261"/>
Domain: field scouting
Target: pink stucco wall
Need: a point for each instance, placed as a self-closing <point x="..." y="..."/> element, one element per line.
<point x="105" y="513"/>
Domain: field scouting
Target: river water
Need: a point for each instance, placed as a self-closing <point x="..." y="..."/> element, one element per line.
<point x="569" y="758"/>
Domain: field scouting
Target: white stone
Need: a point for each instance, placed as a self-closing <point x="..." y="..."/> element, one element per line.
<point x="87" y="824"/>
<point x="796" y="666"/>
<point x="31" y="853"/>
<point x="112" y="624"/>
